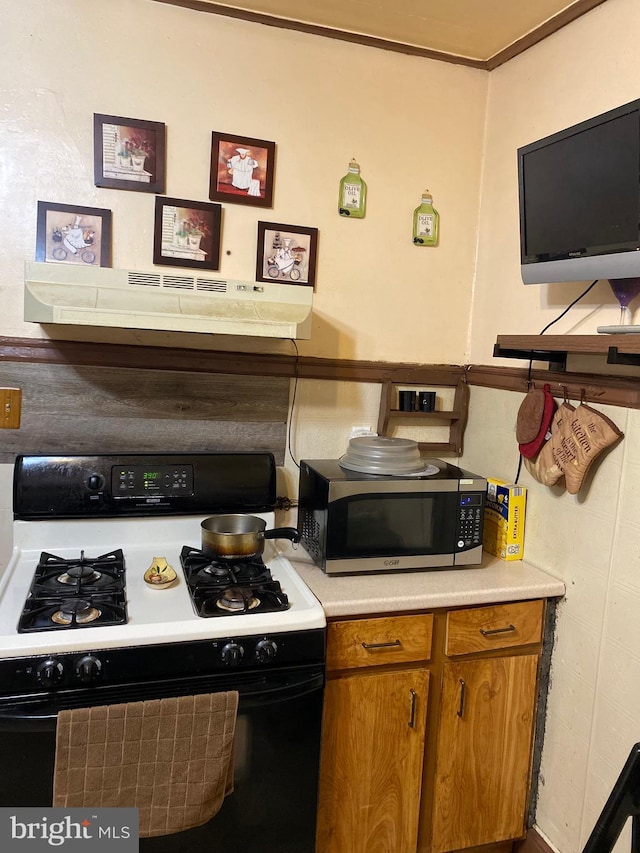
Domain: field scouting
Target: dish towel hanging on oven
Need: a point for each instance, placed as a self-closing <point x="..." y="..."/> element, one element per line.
<point x="170" y="758"/>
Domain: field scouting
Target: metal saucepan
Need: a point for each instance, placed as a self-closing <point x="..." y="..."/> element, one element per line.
<point x="233" y="537"/>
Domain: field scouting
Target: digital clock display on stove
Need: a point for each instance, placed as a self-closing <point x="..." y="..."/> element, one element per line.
<point x="165" y="481"/>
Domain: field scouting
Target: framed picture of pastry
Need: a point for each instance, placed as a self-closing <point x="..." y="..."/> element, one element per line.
<point x="286" y="253"/>
<point x="187" y="233"/>
<point x="129" y="153"/>
<point x="242" y="169"/>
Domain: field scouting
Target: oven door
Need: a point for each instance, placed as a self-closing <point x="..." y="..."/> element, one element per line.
<point x="276" y="753"/>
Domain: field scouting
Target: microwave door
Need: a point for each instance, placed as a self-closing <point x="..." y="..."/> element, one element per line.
<point x="396" y="525"/>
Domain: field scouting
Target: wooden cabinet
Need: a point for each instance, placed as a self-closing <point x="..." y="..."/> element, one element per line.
<point x="373" y="735"/>
<point x="486" y="723"/>
<point x="484" y="750"/>
<point x="459" y="777"/>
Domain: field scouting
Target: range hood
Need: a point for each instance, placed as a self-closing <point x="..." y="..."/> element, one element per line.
<point x="173" y="301"/>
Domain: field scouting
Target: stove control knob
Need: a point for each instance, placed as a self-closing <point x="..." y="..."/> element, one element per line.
<point x="88" y="669"/>
<point x="232" y="654"/>
<point x="265" y="651"/>
<point x="95" y="482"/>
<point x="50" y="673"/>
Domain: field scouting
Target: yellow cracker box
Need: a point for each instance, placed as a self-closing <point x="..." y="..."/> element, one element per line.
<point x="504" y="513"/>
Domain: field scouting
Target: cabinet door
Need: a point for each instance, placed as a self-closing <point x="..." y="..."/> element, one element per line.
<point x="484" y="751"/>
<point x="371" y="768"/>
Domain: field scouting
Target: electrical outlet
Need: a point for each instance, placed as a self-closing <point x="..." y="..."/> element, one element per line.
<point x="10" y="404"/>
<point x="356" y="431"/>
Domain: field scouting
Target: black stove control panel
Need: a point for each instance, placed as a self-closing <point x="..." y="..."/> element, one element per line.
<point x="137" y="665"/>
<point x="143" y="484"/>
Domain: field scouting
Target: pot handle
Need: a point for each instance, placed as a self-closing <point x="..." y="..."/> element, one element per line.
<point x="283" y="533"/>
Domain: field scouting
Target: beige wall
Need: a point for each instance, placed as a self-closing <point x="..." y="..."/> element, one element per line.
<point x="591" y="541"/>
<point x="410" y="123"/>
<point x="588" y="67"/>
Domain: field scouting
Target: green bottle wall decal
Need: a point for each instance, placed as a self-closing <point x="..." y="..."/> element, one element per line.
<point x="426" y="220"/>
<point x="352" y="199"/>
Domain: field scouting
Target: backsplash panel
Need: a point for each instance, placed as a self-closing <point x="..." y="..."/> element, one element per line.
<point x="77" y="409"/>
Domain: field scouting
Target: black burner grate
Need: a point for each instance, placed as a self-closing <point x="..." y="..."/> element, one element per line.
<point x="230" y="587"/>
<point x="76" y="593"/>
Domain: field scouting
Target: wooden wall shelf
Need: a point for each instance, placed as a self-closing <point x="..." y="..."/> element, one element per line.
<point x="456" y="416"/>
<point x="619" y="349"/>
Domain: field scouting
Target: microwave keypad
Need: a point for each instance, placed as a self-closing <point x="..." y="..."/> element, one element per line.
<point x="470" y="526"/>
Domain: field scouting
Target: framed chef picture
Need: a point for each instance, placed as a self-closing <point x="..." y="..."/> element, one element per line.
<point x="242" y="170"/>
<point x="286" y="253"/>
<point x="73" y="234"/>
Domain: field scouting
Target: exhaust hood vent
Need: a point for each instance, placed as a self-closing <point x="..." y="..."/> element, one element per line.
<point x="133" y="299"/>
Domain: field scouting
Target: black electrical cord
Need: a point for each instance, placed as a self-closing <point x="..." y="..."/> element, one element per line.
<point x="577" y="299"/>
<point x="548" y="326"/>
<point x="293" y="402"/>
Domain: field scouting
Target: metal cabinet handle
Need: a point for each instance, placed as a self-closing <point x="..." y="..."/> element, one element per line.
<point x="381" y="645"/>
<point x="497" y="630"/>
<point x="463" y="691"/>
<point x="412" y="714"/>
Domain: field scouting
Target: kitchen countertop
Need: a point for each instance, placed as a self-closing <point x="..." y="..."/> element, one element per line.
<point x="389" y="592"/>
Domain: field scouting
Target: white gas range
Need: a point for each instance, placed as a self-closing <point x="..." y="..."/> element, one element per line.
<point x="91" y="513"/>
<point x="80" y="627"/>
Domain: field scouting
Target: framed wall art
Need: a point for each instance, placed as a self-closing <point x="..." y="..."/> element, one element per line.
<point x="187" y="233"/>
<point x="286" y="253"/>
<point x="129" y="153"/>
<point x="70" y="234"/>
<point x="242" y="169"/>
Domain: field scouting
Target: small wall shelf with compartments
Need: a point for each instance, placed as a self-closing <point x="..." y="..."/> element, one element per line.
<point x="456" y="416"/>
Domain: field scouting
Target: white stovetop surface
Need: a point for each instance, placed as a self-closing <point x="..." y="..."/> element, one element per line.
<point x="155" y="615"/>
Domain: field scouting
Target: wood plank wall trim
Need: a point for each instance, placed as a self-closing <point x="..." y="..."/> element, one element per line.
<point x="594" y="388"/>
<point x="585" y="387"/>
<point x="43" y="351"/>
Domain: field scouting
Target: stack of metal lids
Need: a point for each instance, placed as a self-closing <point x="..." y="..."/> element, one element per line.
<point x="375" y="454"/>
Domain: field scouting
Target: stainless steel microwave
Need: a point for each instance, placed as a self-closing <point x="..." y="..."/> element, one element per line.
<point x="352" y="522"/>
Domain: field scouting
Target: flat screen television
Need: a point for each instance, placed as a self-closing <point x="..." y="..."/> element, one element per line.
<point x="579" y="193"/>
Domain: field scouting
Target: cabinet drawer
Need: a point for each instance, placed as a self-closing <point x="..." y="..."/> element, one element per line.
<point x="499" y="626"/>
<point x="384" y="640"/>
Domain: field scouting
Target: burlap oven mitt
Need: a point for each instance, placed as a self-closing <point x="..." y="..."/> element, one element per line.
<point x="579" y="440"/>
<point x="534" y="420"/>
<point x="544" y="468"/>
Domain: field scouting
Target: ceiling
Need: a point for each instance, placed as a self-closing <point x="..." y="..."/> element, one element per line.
<point x="481" y="33"/>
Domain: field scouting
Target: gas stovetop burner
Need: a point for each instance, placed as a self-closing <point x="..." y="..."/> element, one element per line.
<point x="237" y="599"/>
<point x="75" y="609"/>
<point x="59" y="614"/>
<point x="84" y="574"/>
<point x="76" y="592"/>
<point x="230" y="587"/>
<point x="56" y="576"/>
